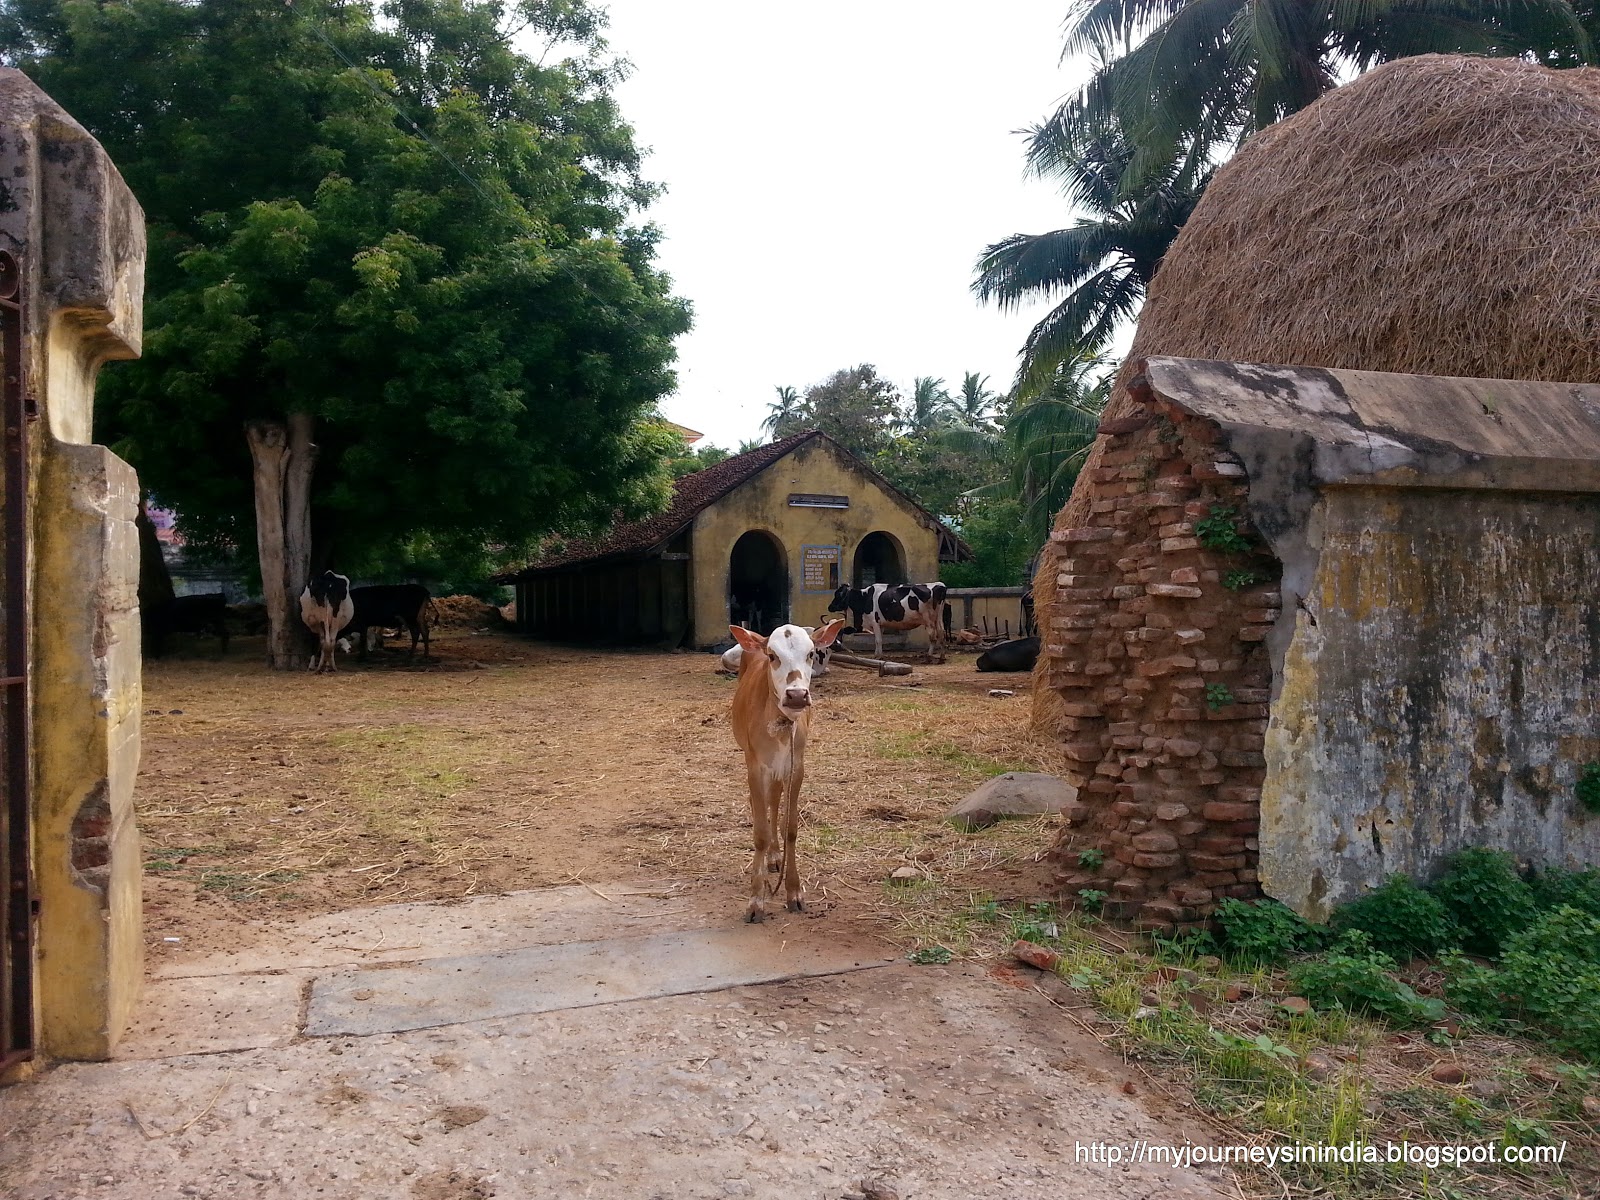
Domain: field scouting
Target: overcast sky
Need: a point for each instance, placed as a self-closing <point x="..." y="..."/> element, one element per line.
<point x="833" y="170"/>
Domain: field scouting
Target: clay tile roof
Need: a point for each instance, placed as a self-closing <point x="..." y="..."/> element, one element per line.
<point x="691" y="495"/>
<point x="696" y="492"/>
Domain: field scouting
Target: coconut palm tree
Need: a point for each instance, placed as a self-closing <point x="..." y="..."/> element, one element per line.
<point x="930" y="407"/>
<point x="1046" y="439"/>
<point x="784" y="415"/>
<point x="1184" y="77"/>
<point x="1098" y="268"/>
<point x="974" y="404"/>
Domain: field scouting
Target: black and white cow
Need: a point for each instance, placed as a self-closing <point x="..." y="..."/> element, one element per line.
<point x="895" y="606"/>
<point x="387" y="605"/>
<point x="326" y="608"/>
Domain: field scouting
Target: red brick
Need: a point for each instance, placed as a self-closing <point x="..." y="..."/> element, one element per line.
<point x="1155" y="842"/>
<point x="1157" y="860"/>
<point x="1165" y="666"/>
<point x="1216" y="862"/>
<point x="1182" y="747"/>
<point x="1171" y="812"/>
<point x="1083" y="751"/>
<point x="1176" y="544"/>
<point x="1174" y="591"/>
<point x="1089" y="533"/>
<point x="1254" y="633"/>
<point x="1220" y="811"/>
<point x="1241" y="758"/>
<point x="1242" y="795"/>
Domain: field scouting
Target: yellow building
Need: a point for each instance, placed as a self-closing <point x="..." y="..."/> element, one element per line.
<point x="759" y="540"/>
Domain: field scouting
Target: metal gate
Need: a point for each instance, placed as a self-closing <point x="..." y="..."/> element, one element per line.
<point x="16" y="759"/>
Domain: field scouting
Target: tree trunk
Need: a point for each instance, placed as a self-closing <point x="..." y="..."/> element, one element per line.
<point x="268" y="452"/>
<point x="300" y="463"/>
<point x="155" y="581"/>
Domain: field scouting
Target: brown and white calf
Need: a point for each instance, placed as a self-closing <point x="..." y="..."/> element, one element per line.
<point x="771" y="723"/>
<point x="326" y="608"/>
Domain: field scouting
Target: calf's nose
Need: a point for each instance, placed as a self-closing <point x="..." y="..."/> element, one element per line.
<point x="797" y="697"/>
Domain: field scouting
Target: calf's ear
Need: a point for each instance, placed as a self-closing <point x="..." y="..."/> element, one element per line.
<point x="753" y="642"/>
<point x="824" y="636"/>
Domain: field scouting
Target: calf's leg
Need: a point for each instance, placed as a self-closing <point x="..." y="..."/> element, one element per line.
<point x="792" y="895"/>
<point x="762" y="831"/>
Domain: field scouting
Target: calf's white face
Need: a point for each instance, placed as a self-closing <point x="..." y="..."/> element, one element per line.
<point x="788" y="657"/>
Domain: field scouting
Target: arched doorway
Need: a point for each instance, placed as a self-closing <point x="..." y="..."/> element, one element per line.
<point x="878" y="560"/>
<point x="758" y="583"/>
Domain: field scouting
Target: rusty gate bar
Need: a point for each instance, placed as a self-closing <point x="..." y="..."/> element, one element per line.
<point x="16" y="876"/>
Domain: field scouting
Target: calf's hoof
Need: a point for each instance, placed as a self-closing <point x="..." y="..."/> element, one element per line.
<point x="756" y="915"/>
<point x="798" y="904"/>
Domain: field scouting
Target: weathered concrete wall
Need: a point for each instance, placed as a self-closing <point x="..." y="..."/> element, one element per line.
<point x="763" y="504"/>
<point x="1433" y="642"/>
<point x="1445" y="696"/>
<point x="79" y="235"/>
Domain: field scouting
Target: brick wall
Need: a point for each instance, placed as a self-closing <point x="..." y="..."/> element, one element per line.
<point x="1154" y="643"/>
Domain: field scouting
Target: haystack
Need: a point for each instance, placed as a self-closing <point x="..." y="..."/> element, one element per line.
<point x="1439" y="215"/>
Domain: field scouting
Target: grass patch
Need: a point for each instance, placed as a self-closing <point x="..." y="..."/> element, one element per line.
<point x="1214" y="1034"/>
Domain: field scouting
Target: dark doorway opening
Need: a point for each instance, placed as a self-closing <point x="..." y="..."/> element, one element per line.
<point x="758" y="583"/>
<point x="878" y="560"/>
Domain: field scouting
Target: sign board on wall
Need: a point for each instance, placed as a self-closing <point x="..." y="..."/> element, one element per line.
<point x="819" y="568"/>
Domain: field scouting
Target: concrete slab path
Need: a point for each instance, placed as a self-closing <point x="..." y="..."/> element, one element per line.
<point x="892" y="1080"/>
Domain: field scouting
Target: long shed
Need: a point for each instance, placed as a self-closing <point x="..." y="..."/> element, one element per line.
<point x="759" y="539"/>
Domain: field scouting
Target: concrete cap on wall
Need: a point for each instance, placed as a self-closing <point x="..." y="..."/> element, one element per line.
<point x="1375" y="429"/>
<point x="78" y="232"/>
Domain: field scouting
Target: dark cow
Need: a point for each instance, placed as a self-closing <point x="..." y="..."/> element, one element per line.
<point x="205" y="613"/>
<point x="1017" y="655"/>
<point x="387" y="605"/>
<point x="325" y="607"/>
<point x="895" y="606"/>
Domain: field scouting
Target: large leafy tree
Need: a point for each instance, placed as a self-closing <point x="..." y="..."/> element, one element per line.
<point x="1098" y="268"/>
<point x="855" y="407"/>
<point x="395" y="253"/>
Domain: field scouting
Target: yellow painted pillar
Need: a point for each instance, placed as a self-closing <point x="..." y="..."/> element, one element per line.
<point x="78" y="235"/>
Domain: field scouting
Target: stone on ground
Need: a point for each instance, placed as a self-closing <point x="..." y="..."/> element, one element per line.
<point x="1014" y="794"/>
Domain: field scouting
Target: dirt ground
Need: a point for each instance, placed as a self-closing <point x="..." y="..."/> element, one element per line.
<point x="506" y="764"/>
<point x="293" y="824"/>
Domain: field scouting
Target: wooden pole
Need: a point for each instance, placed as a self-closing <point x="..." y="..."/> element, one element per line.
<point x="880" y="665"/>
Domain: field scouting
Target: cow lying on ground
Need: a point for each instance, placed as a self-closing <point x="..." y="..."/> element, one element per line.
<point x="734" y="655"/>
<point x="771" y="722"/>
<point x="1017" y="655"/>
<point x="326" y="608"/>
<point x="205" y="613"/>
<point x="385" y="606"/>
<point x="895" y="606"/>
